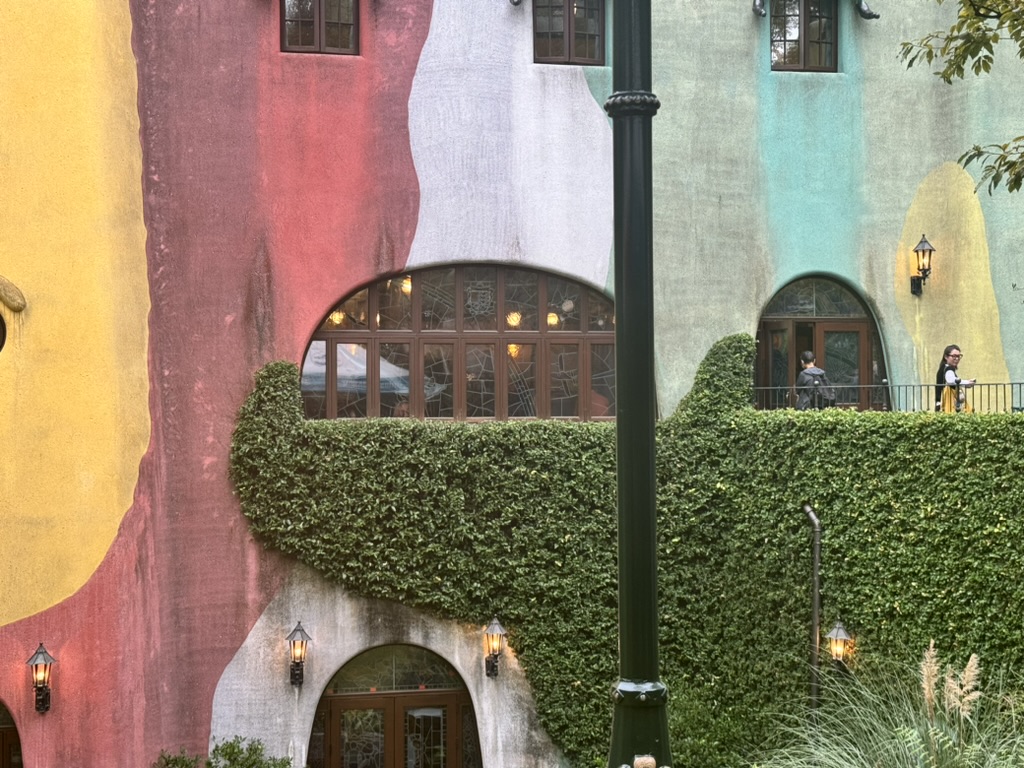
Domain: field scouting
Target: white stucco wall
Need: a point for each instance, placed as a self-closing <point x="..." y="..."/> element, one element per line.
<point x="514" y="161"/>
<point x="255" y="698"/>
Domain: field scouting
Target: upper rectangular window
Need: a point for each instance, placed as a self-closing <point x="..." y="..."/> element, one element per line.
<point x="320" y="26"/>
<point x="568" y="31"/>
<point x="804" y="35"/>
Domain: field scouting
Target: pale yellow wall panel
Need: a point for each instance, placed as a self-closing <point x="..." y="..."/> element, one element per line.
<point x="74" y="383"/>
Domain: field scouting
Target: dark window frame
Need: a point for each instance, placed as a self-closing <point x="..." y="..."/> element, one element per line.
<point x="568" y="55"/>
<point x="806" y="48"/>
<point x="593" y="340"/>
<point x="319" y="23"/>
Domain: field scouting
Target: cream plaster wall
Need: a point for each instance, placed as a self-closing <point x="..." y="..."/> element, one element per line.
<point x="255" y="698"/>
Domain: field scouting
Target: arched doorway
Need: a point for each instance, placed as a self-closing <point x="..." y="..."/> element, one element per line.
<point x="10" y="744"/>
<point x="396" y="706"/>
<point x="821" y="315"/>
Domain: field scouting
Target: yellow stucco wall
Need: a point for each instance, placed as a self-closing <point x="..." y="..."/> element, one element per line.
<point x="73" y="378"/>
<point x="958" y="304"/>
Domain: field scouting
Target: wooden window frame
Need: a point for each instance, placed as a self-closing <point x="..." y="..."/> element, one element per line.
<point x="319" y="44"/>
<point x="805" y="42"/>
<point x="544" y="338"/>
<point x="568" y="36"/>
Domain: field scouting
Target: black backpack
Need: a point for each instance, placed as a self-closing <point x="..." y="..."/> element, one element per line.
<point x="823" y="394"/>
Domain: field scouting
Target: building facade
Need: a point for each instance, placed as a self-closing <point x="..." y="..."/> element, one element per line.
<point x="194" y="189"/>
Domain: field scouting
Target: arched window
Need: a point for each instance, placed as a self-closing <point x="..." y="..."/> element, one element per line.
<point x="822" y="316"/>
<point x="395" y="706"/>
<point x="465" y="342"/>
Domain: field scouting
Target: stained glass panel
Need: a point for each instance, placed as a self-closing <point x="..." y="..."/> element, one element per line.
<point x="394" y="303"/>
<point x="395" y="668"/>
<point x="425" y="737"/>
<point x="439" y="380"/>
<point x="814" y="297"/>
<point x="521" y="300"/>
<point x="438" y="299"/>
<point x="393" y="381"/>
<point x="842" y="351"/>
<point x="600" y="312"/>
<point x="351" y="314"/>
<point x="351" y="383"/>
<point x="564" y="380"/>
<point x="602" y="380"/>
<point x="479" y="293"/>
<point x="362" y="738"/>
<point x="479" y="381"/>
<point x="521" y="362"/>
<point x="564" y="299"/>
<point x="470" y="739"/>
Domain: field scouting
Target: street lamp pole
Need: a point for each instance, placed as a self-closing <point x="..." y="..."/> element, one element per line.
<point x="640" y="721"/>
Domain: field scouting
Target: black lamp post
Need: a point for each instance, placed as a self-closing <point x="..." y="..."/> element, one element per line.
<point x="639" y="721"/>
<point x="40" y="664"/>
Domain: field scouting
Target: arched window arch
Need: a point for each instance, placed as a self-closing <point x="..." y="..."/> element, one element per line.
<point x="472" y="342"/>
<point x="394" y="706"/>
<point x="822" y="316"/>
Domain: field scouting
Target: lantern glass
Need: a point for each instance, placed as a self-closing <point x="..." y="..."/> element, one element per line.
<point x="40" y="664"/>
<point x="924" y="251"/>
<point x="494" y="637"/>
<point x="298" y="642"/>
<point x="839" y="642"/>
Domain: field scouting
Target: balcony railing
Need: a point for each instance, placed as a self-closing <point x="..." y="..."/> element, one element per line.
<point x="983" y="398"/>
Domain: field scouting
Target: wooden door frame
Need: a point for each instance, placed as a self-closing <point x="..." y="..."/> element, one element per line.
<point x="394" y="705"/>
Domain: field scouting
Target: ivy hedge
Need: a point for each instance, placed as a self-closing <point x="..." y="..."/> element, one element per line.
<point x="923" y="539"/>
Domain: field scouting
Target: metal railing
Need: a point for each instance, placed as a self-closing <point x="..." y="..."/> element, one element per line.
<point x="983" y="398"/>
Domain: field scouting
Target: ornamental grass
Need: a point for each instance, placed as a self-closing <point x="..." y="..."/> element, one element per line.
<point x="939" y="717"/>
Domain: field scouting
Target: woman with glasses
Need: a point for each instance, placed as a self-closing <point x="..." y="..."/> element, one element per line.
<point x="950" y="396"/>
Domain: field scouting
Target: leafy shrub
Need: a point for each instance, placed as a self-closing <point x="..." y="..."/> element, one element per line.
<point x="180" y="760"/>
<point x="233" y="753"/>
<point x="244" y="753"/>
<point x="922" y="529"/>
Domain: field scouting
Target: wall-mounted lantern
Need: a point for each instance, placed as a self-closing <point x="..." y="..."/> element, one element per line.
<point x="923" y="251"/>
<point x="40" y="664"/>
<point x="494" y="643"/>
<point x="298" y="642"/>
<point x="840" y="644"/>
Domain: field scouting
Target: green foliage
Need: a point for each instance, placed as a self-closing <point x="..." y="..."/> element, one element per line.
<point x="180" y="760"/>
<point x="969" y="45"/>
<point x="237" y="752"/>
<point x="905" y="720"/>
<point x="244" y="753"/>
<point x="921" y="512"/>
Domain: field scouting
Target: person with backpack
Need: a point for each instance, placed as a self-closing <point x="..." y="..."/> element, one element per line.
<point x="814" y="390"/>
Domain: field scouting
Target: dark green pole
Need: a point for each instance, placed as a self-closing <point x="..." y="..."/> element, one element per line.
<point x="640" y="722"/>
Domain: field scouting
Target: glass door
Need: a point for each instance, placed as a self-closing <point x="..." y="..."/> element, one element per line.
<point x="844" y="355"/>
<point x="391" y="731"/>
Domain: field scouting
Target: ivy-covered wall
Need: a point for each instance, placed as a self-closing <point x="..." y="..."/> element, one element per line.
<point x="922" y="518"/>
